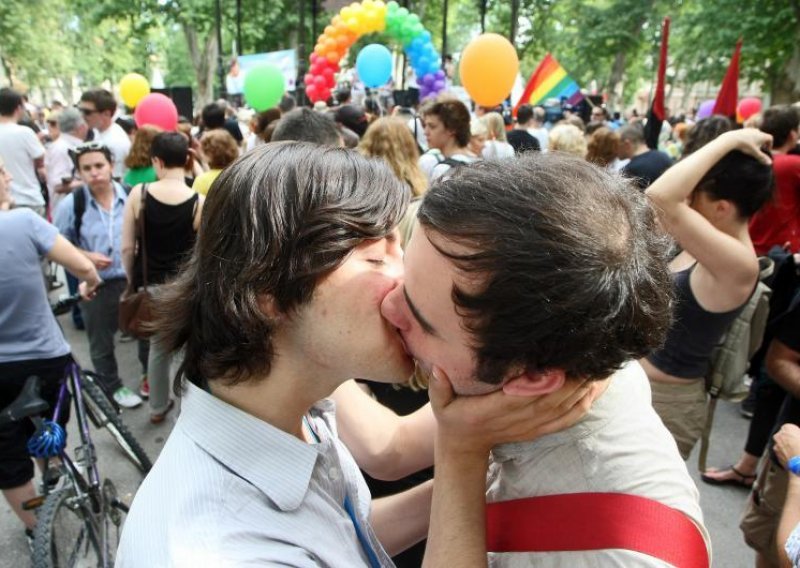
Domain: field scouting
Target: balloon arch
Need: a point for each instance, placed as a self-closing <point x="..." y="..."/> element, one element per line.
<point x="370" y="16"/>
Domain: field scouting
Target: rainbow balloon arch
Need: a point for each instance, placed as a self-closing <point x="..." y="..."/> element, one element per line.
<point x="366" y="17"/>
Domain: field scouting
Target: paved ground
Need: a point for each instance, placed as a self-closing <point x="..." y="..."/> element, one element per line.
<point x="722" y="505"/>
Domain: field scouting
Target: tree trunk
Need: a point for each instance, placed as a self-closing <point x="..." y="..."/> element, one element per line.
<point x="204" y="61"/>
<point x="617" y="71"/>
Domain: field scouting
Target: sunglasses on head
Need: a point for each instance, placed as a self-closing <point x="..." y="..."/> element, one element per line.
<point x="88" y="147"/>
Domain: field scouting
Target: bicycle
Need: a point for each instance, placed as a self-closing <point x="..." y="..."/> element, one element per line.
<point x="79" y="513"/>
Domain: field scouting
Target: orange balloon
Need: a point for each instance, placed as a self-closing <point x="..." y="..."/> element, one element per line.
<point x="488" y="69"/>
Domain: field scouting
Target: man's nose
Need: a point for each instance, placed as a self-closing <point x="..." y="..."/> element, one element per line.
<point x="391" y="307"/>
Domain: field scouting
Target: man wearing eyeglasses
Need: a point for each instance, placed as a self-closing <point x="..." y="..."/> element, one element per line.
<point x="22" y="153"/>
<point x="97" y="231"/>
<point x="98" y="107"/>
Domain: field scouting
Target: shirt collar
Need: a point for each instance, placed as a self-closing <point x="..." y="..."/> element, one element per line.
<point x="275" y="462"/>
<point x="119" y="194"/>
<point x="628" y="388"/>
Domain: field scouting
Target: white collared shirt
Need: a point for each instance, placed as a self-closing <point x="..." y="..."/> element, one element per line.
<point x="231" y="490"/>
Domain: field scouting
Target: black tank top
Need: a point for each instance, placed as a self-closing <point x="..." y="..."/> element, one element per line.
<point x="694" y="333"/>
<point x="169" y="234"/>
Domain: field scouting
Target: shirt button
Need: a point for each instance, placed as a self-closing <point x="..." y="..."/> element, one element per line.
<point x="334" y="474"/>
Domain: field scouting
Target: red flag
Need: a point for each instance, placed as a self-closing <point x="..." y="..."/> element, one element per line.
<point x="728" y="95"/>
<point x="656" y="115"/>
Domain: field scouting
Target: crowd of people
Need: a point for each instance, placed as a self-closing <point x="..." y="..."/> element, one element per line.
<point x="550" y="292"/>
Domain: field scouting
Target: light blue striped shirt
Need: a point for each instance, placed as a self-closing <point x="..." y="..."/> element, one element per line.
<point x="101" y="230"/>
<point x="231" y="490"/>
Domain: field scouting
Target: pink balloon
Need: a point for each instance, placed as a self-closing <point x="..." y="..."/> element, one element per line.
<point x="156" y="110"/>
<point x="748" y="107"/>
<point x="706" y="109"/>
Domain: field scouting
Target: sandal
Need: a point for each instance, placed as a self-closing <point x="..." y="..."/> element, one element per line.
<point x="159" y="417"/>
<point x="741" y="480"/>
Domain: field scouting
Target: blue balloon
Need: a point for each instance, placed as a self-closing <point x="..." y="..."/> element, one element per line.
<point x="374" y="65"/>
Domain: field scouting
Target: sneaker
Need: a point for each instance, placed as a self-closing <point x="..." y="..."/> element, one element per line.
<point x="127" y="398"/>
<point x="158" y="418"/>
<point x="144" y="387"/>
<point x="125" y="337"/>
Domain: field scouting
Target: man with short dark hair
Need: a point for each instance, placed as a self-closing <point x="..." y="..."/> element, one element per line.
<point x="510" y="286"/>
<point x="98" y="107"/>
<point x="305" y="125"/>
<point x="215" y="116"/>
<point x="22" y="153"/>
<point x="645" y="165"/>
<point x="99" y="237"/>
<point x="287" y="104"/>
<point x="778" y="222"/>
<point x="520" y="138"/>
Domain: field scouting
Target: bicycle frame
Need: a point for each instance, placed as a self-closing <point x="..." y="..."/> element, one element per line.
<point x="84" y="489"/>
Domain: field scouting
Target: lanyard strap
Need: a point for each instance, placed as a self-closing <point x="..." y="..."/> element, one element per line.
<point x="595" y="521"/>
<point x="348" y="506"/>
<point x="362" y="538"/>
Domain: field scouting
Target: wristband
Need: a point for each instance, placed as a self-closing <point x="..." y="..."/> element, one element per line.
<point x="794" y="465"/>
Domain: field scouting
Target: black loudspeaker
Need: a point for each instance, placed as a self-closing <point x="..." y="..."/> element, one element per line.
<point x="182" y="97"/>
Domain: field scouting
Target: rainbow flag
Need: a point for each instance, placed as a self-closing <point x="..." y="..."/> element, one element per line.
<point x="550" y="81"/>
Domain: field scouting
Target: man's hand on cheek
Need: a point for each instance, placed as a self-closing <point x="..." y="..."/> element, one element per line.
<point x="475" y="424"/>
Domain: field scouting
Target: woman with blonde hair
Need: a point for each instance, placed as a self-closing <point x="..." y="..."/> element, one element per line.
<point x="568" y="138"/>
<point x="497" y="145"/>
<point x="140" y="168"/>
<point x="390" y="139"/>
<point x="603" y="148"/>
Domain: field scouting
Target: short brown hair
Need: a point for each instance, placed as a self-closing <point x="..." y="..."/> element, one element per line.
<point x="219" y="148"/>
<point x="101" y="99"/>
<point x="280" y="218"/>
<point x="572" y="265"/>
<point x="139" y="155"/>
<point x="454" y="116"/>
<point x="603" y="146"/>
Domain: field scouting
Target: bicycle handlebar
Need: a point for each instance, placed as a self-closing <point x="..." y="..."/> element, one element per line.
<point x="64" y="305"/>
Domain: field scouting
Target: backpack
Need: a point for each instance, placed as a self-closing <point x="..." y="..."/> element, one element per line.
<point x="78" y="209"/>
<point x="731" y="358"/>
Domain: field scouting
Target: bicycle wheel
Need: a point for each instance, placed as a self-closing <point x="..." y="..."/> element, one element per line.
<point x="103" y="415"/>
<point x="66" y="534"/>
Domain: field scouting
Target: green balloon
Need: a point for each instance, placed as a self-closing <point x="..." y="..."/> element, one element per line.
<point x="264" y="86"/>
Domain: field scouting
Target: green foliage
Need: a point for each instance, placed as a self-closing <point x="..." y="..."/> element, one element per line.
<point x="53" y="44"/>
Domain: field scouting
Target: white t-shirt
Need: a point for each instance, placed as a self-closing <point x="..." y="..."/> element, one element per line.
<point x="432" y="163"/>
<point x="497" y="149"/>
<point x="119" y="144"/>
<point x="59" y="164"/>
<point x="541" y="135"/>
<point x="19" y="147"/>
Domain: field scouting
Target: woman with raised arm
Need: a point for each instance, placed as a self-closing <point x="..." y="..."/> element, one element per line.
<point x="704" y="202"/>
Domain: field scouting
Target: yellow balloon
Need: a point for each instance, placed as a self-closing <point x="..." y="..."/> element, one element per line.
<point x="488" y="68"/>
<point x="133" y="88"/>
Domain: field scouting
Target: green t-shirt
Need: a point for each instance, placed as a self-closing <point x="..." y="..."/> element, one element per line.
<point x="136" y="176"/>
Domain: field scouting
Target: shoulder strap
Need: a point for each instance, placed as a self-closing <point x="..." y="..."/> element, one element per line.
<point x="142" y="242"/>
<point x="78" y="209"/>
<point x="595" y="521"/>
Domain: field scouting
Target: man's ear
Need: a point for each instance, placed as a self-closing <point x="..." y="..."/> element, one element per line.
<point x="268" y="306"/>
<point x="535" y="383"/>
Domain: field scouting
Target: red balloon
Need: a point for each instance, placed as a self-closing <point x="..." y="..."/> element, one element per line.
<point x="748" y="107"/>
<point x="320" y="82"/>
<point x="311" y="92"/>
<point x="156" y="110"/>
